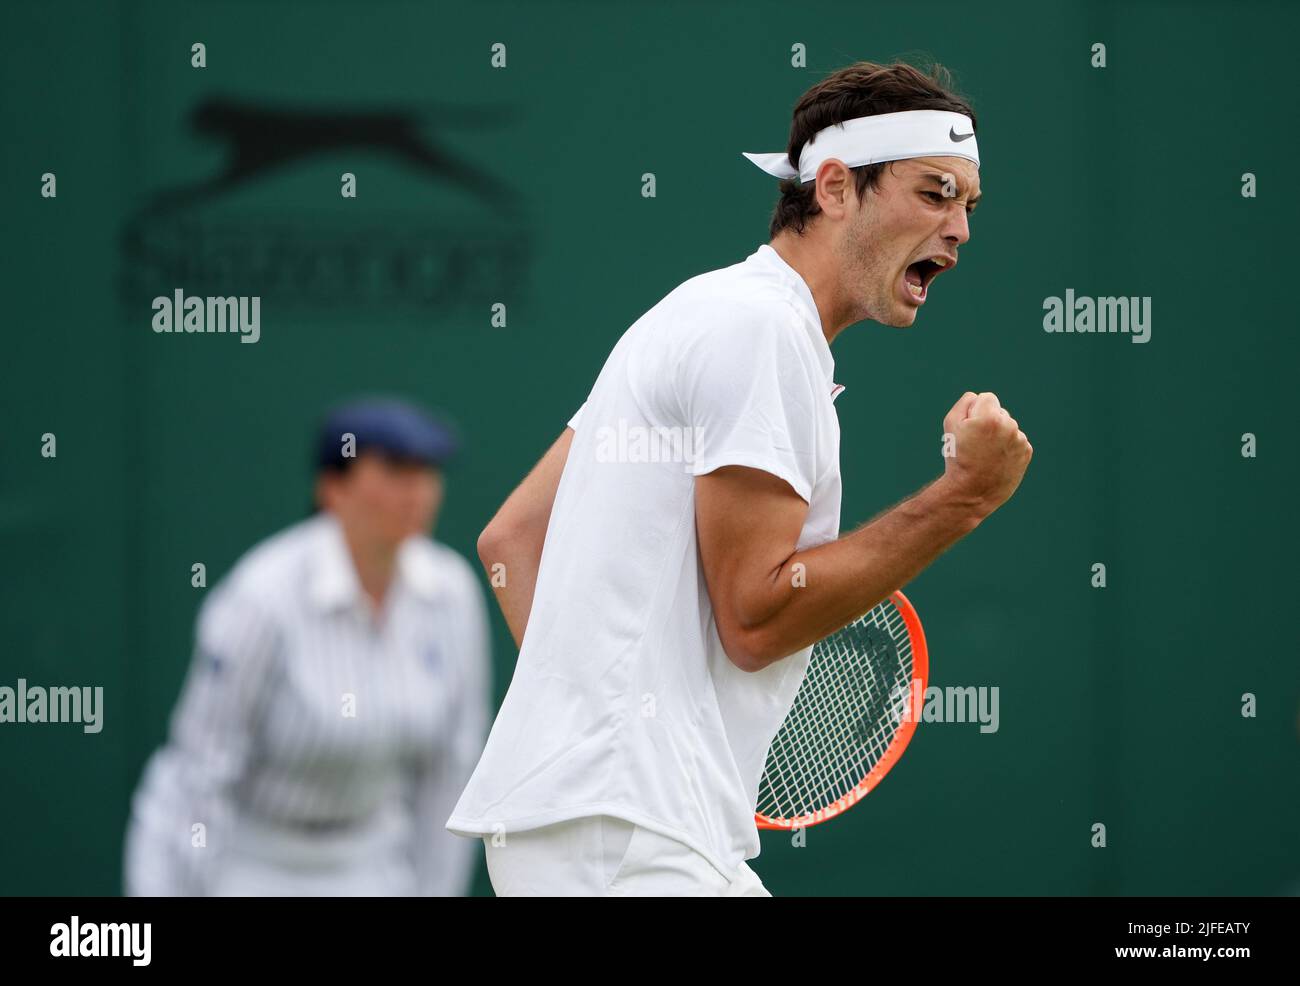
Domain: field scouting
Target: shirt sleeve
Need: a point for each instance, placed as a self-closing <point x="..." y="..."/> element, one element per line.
<point x="183" y="811"/>
<point x="573" y="421"/>
<point x="748" y="399"/>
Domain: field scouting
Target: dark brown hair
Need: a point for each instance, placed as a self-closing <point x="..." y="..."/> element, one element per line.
<point x="861" y="89"/>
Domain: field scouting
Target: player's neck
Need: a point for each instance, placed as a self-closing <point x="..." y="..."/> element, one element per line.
<point x="804" y="255"/>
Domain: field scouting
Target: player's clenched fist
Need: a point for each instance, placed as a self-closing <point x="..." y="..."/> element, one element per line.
<point x="985" y="451"/>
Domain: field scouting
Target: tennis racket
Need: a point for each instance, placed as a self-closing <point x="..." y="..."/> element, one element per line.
<point x="852" y="719"/>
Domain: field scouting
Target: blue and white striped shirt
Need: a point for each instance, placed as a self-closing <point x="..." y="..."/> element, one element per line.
<point x="316" y="748"/>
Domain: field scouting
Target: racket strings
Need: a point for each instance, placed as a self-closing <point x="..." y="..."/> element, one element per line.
<point x="826" y="759"/>
<point x="831" y="754"/>
<point x="821" y="759"/>
<point x="844" y="718"/>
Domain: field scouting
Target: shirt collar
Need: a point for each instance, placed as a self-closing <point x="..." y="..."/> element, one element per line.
<point x="333" y="583"/>
<point x="802" y="298"/>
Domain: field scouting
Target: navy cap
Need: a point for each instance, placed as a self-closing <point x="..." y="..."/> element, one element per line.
<point x="386" y="425"/>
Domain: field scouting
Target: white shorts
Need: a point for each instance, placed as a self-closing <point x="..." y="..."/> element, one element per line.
<point x="602" y="856"/>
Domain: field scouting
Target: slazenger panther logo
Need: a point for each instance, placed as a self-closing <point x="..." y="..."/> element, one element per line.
<point x="213" y="231"/>
<point x="263" y="139"/>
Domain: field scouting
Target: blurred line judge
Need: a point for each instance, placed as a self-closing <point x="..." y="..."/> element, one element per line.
<point x="337" y="700"/>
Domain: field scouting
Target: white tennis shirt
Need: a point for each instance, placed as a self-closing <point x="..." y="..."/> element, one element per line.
<point x="623" y="700"/>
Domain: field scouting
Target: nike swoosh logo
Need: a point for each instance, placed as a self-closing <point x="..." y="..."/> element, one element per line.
<point x="958" y="138"/>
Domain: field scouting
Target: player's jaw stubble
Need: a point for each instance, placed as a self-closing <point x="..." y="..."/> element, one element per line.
<point x="871" y="271"/>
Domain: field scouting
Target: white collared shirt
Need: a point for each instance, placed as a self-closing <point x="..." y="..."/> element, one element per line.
<point x="623" y="701"/>
<point x="314" y="740"/>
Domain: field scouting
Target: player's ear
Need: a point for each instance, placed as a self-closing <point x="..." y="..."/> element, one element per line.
<point x="834" y="184"/>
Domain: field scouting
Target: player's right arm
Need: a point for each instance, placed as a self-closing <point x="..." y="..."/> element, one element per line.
<point x="510" y="547"/>
<point x="770" y="600"/>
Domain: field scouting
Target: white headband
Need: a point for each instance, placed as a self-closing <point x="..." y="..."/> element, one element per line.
<point x="872" y="139"/>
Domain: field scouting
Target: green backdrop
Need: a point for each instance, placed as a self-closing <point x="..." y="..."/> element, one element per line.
<point x="1119" y="705"/>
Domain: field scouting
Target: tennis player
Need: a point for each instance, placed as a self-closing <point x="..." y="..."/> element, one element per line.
<point x="670" y="561"/>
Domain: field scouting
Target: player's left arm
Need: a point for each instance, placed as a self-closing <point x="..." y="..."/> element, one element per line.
<point x="513" y="539"/>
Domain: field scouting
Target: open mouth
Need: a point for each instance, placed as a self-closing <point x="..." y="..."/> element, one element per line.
<point x="918" y="276"/>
